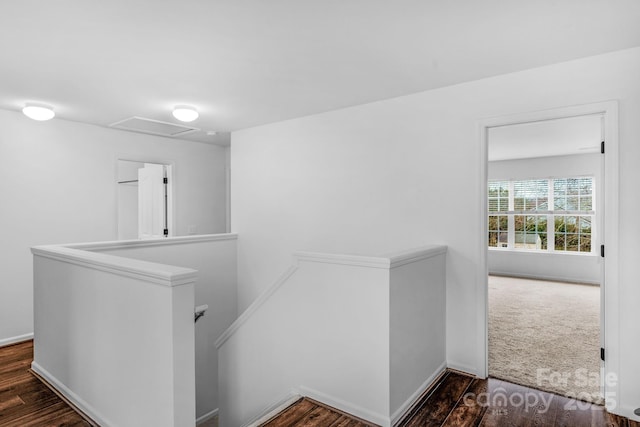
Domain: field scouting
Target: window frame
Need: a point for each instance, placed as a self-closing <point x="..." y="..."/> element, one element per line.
<point x="551" y="215"/>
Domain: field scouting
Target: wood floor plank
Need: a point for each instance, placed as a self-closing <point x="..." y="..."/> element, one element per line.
<point x="422" y="400"/>
<point x="495" y="392"/>
<point x="319" y="417"/>
<point x="562" y="411"/>
<point x="537" y="408"/>
<point x="355" y="420"/>
<point x="24" y="400"/>
<point x="36" y="394"/>
<point x="14" y="379"/>
<point x="10" y="402"/>
<point x="29" y="416"/>
<point x="65" y="417"/>
<point x="612" y="420"/>
<point x="438" y="406"/>
<point x="572" y="412"/>
<point x="346" y="421"/>
<point x="309" y="413"/>
<point x="540" y="417"/>
<point x="517" y="410"/>
<point x="291" y="415"/>
<point x="22" y="412"/>
<point x="470" y="408"/>
<point x="13" y="366"/>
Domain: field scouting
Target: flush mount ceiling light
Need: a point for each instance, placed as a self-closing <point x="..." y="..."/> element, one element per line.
<point x="184" y="113"/>
<point x="38" y="112"/>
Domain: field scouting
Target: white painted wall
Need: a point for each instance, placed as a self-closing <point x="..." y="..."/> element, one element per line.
<point x="417" y="329"/>
<point x="404" y="172"/>
<point x="553" y="266"/>
<point x="58" y="184"/>
<point x="318" y="331"/>
<point x="127" y="199"/>
<point x="116" y="336"/>
<point x="214" y="257"/>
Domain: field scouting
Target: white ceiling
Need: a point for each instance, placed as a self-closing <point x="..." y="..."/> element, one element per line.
<point x="244" y="63"/>
<point x="575" y="135"/>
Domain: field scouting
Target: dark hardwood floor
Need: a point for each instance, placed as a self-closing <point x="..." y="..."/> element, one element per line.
<point x="460" y="400"/>
<point x="307" y="412"/>
<point x="24" y="400"/>
<point x="454" y="400"/>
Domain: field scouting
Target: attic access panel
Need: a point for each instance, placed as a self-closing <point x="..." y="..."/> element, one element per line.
<point x="153" y="127"/>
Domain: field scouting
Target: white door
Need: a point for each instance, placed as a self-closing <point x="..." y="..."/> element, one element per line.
<point x="151" y="201"/>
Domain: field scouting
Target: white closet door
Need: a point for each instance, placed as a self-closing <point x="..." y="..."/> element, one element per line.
<point x="151" y="203"/>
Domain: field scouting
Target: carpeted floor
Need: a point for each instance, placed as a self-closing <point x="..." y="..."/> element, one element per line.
<point x="545" y="335"/>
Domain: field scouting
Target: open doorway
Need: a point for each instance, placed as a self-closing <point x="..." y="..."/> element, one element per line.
<point x="545" y="229"/>
<point x="144" y="200"/>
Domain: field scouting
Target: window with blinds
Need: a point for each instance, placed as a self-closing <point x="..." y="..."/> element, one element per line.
<point x="542" y="214"/>
<point x="498" y="217"/>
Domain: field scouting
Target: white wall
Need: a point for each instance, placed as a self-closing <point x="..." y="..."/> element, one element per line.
<point x="58" y="185"/>
<point x="306" y="336"/>
<point x="127" y="199"/>
<point x="417" y="329"/>
<point x="404" y="172"/>
<point x="214" y="257"/>
<point x="569" y="267"/>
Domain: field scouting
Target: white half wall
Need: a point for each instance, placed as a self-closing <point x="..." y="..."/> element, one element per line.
<point x="403" y="172"/>
<point x="58" y="184"/>
<point x="546" y="266"/>
<point x="568" y="267"/>
<point x="363" y="334"/>
<point x="115" y="336"/>
<point x="417" y="329"/>
<point x="214" y="257"/>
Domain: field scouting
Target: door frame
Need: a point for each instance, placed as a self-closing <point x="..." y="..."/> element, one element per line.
<point x="171" y="176"/>
<point x="609" y="284"/>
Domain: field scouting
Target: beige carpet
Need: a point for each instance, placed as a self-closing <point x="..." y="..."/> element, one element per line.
<point x="545" y="335"/>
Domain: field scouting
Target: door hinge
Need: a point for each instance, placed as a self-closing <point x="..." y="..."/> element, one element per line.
<point x="166" y="232"/>
<point x="602" y="353"/>
<point x="165" y="180"/>
<point x="602" y="251"/>
<point x="602" y="147"/>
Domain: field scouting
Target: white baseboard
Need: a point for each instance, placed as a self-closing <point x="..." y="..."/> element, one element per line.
<point x="15" y="340"/>
<point x="207" y="416"/>
<point x="471" y="370"/>
<point x="406" y="406"/>
<point x="627" y="412"/>
<point x="347" y="407"/>
<point x="550" y="278"/>
<point x="274" y="409"/>
<point x="69" y="395"/>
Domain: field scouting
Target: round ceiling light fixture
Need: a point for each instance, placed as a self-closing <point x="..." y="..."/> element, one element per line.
<point x="38" y="112"/>
<point x="184" y="113"/>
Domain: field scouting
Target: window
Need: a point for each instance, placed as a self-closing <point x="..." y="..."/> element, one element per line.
<point x="541" y="214"/>
<point x="498" y="224"/>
